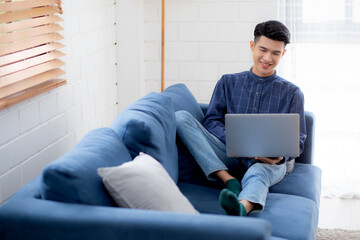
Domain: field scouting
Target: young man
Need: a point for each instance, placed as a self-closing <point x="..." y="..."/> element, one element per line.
<point x="259" y="90"/>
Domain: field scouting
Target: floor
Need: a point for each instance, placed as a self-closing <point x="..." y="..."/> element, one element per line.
<point x="340" y="213"/>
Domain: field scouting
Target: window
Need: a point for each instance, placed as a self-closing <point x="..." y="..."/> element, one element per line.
<point x="323" y="59"/>
<point x="318" y="21"/>
<point x="29" y="49"/>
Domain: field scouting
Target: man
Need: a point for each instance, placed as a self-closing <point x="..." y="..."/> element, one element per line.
<point x="259" y="90"/>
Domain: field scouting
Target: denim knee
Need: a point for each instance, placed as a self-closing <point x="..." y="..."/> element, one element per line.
<point x="257" y="171"/>
<point x="266" y="173"/>
<point x="183" y="117"/>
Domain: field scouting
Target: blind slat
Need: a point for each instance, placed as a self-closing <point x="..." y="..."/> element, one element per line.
<point x="30" y="82"/>
<point x="30" y="72"/>
<point x="15" y="57"/>
<point x="12" y="68"/>
<point x="30" y="13"/>
<point x="29" y="23"/>
<point x="36" y="41"/>
<point x="29" y="55"/>
<point x="20" y="5"/>
<point x="29" y="93"/>
<point x="28" y="33"/>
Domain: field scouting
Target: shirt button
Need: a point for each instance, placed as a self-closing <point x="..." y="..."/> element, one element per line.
<point x="257" y="93"/>
<point x="255" y="108"/>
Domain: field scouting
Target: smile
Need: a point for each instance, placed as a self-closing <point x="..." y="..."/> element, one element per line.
<point x="265" y="65"/>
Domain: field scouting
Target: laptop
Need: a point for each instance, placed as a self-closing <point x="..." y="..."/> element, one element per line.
<point x="262" y="135"/>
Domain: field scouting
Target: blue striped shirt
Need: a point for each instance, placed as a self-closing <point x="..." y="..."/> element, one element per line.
<point x="246" y="92"/>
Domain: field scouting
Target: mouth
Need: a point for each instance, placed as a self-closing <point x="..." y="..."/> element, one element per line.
<point x="265" y="65"/>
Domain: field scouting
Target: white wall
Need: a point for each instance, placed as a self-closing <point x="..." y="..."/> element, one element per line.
<point x="39" y="130"/>
<point x="204" y="40"/>
<point x="130" y="38"/>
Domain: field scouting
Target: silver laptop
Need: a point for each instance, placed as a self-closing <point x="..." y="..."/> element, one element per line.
<point x="262" y="135"/>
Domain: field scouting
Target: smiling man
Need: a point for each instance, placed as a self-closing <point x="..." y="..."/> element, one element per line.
<point x="266" y="50"/>
<point x="259" y="90"/>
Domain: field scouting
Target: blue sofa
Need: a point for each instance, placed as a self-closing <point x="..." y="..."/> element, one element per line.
<point x="69" y="200"/>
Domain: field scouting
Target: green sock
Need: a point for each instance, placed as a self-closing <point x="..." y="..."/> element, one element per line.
<point x="230" y="203"/>
<point x="234" y="186"/>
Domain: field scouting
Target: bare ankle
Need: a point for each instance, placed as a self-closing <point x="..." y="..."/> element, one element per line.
<point x="223" y="175"/>
<point x="249" y="206"/>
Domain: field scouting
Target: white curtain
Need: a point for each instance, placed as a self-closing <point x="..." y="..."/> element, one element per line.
<point x="323" y="59"/>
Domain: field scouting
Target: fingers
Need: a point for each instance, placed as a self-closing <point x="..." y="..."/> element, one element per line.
<point x="269" y="160"/>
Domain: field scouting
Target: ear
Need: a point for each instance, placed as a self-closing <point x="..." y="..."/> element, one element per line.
<point x="252" y="45"/>
<point x="283" y="52"/>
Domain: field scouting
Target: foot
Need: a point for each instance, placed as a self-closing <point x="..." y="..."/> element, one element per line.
<point x="230" y="203"/>
<point x="234" y="186"/>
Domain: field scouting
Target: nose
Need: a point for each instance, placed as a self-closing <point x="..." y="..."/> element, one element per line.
<point x="267" y="57"/>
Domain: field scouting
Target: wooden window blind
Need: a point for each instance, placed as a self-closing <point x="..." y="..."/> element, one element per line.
<point x="29" y="49"/>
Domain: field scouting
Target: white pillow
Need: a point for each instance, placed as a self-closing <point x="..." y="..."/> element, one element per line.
<point x="144" y="183"/>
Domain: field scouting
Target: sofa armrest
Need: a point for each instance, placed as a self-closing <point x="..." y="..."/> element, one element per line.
<point x="308" y="154"/>
<point x="39" y="219"/>
<point x="26" y="217"/>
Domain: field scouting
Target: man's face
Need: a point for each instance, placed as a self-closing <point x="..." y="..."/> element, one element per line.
<point x="266" y="55"/>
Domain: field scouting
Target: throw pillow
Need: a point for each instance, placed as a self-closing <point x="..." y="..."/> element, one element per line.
<point x="183" y="99"/>
<point x="149" y="126"/>
<point x="143" y="183"/>
<point x="73" y="177"/>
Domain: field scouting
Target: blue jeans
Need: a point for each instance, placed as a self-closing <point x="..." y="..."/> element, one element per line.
<point x="210" y="153"/>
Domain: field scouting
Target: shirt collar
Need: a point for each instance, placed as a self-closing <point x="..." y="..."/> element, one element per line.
<point x="262" y="79"/>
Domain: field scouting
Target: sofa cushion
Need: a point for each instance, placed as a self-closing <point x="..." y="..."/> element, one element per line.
<point x="149" y="126"/>
<point x="204" y="199"/>
<point x="183" y="99"/>
<point x="73" y="177"/>
<point x="291" y="217"/>
<point x="304" y="181"/>
<point x="143" y="183"/>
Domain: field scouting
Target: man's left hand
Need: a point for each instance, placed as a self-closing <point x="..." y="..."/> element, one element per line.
<point x="269" y="160"/>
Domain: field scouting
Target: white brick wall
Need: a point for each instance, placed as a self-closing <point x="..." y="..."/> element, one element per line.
<point x="38" y="131"/>
<point x="204" y="40"/>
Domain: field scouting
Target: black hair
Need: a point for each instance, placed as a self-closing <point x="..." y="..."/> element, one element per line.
<point x="274" y="30"/>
